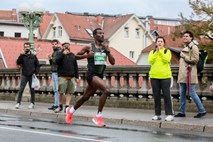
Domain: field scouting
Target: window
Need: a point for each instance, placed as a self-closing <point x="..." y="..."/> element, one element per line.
<point x="59" y="31"/>
<point x="17" y="35"/>
<point x="126" y="32"/>
<point x="1" y="33"/>
<point x="90" y="32"/>
<point x="131" y="54"/>
<point x="137" y="33"/>
<point x="54" y="31"/>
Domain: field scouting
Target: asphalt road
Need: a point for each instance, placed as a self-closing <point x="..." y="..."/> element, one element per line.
<point x="19" y="128"/>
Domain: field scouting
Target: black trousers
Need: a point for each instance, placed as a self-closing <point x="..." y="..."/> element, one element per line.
<point x="157" y="86"/>
<point x="24" y="80"/>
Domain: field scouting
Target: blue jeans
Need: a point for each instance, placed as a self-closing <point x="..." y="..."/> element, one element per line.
<point x="193" y="94"/>
<point x="55" y="88"/>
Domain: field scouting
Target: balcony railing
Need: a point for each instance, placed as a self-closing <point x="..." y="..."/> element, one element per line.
<point x="124" y="82"/>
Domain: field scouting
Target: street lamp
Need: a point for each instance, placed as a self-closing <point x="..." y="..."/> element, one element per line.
<point x="31" y="18"/>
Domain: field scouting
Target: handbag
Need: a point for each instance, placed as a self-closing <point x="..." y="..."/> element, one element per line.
<point x="35" y="82"/>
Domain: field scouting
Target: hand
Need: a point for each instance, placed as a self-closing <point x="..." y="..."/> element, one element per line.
<point x="106" y="46"/>
<point x="90" y="54"/>
<point x="65" y="52"/>
<point x="22" y="52"/>
<point x="18" y="66"/>
<point x="182" y="55"/>
<point x="50" y="56"/>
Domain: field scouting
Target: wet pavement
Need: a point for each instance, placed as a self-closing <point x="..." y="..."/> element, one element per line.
<point x="114" y="117"/>
<point x="29" y="128"/>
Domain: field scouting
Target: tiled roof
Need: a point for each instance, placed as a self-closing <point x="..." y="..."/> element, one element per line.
<point x="44" y="24"/>
<point x="120" y="59"/>
<point x="76" y="25"/>
<point x="11" y="48"/>
<point x="112" y="24"/>
<point x="170" y="42"/>
<point x="8" y="15"/>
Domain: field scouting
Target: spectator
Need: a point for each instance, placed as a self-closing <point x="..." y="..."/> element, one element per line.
<point x="160" y="74"/>
<point x="54" y="69"/>
<point x="68" y="75"/>
<point x="29" y="65"/>
<point x="189" y="58"/>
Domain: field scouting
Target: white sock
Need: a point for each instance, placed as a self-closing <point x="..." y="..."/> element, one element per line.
<point x="72" y="110"/>
<point x="99" y="114"/>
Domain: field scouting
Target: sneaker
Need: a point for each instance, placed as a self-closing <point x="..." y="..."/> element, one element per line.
<point x="31" y="106"/>
<point x="98" y="121"/>
<point x="69" y="116"/>
<point x="17" y="105"/>
<point x="180" y="115"/>
<point x="169" y="118"/>
<point x="52" y="107"/>
<point x="156" y="117"/>
<point x="199" y="115"/>
<point x="58" y="109"/>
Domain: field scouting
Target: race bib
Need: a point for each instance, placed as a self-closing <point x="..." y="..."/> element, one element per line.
<point x="100" y="58"/>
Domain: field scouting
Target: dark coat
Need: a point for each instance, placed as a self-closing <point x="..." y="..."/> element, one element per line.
<point x="54" y="65"/>
<point x="29" y="64"/>
<point x="67" y="65"/>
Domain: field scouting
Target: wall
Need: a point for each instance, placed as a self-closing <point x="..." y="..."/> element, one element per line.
<point x="9" y="31"/>
<point x="125" y="44"/>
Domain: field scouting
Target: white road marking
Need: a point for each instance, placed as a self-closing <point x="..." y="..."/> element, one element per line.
<point x="58" y="135"/>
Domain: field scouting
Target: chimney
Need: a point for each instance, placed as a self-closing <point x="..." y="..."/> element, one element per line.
<point x="147" y="24"/>
<point x="14" y="12"/>
<point x="99" y="18"/>
<point x="14" y="15"/>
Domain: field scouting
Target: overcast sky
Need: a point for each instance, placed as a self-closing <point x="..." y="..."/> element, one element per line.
<point x="155" y="8"/>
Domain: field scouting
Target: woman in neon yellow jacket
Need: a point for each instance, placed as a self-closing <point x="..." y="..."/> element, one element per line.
<point x="160" y="75"/>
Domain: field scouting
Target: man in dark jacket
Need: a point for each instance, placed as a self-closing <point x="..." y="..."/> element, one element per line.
<point x="54" y="69"/>
<point x="67" y="73"/>
<point x="30" y="65"/>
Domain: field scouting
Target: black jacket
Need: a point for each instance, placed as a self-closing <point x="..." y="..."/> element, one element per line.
<point x="67" y="65"/>
<point x="54" y="66"/>
<point x="29" y="64"/>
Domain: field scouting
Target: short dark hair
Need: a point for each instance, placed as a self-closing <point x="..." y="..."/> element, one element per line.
<point x="96" y="30"/>
<point x="190" y="34"/>
<point x="65" y="43"/>
<point x="55" y="40"/>
<point x="27" y="43"/>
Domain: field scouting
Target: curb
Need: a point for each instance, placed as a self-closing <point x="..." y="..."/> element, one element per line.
<point x="145" y="124"/>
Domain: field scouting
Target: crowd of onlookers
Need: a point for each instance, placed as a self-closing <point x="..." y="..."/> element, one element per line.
<point x="64" y="69"/>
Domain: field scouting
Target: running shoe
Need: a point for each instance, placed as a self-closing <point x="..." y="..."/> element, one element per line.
<point x="98" y="121"/>
<point x="69" y="116"/>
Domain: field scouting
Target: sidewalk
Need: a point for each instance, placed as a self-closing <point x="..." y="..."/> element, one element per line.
<point x="137" y="117"/>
